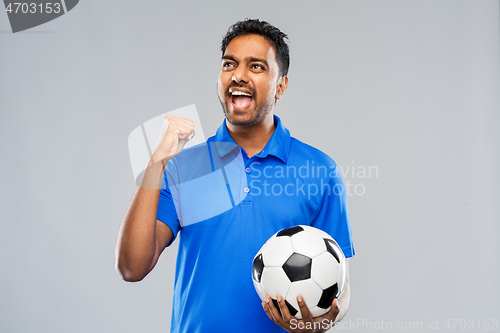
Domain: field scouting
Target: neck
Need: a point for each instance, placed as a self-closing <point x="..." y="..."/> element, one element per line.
<point x="255" y="137"/>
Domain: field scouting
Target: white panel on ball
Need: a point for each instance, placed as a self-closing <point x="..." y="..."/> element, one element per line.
<point x="308" y="244"/>
<point x="267" y="243"/>
<point x="275" y="280"/>
<point x="316" y="231"/>
<point x="260" y="290"/>
<point x="342" y="276"/>
<point x="310" y="292"/>
<point x="276" y="252"/>
<point x="325" y="270"/>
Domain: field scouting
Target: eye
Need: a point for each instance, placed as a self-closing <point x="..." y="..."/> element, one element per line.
<point x="257" y="66"/>
<point x="227" y="65"/>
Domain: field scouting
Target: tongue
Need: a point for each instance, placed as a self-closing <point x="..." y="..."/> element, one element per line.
<point x="242" y="101"/>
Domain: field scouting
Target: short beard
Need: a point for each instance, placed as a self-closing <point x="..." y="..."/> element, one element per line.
<point x="261" y="112"/>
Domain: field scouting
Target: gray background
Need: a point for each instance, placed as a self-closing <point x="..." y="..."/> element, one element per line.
<point x="411" y="87"/>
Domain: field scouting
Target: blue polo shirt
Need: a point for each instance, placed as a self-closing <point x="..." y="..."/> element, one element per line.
<point x="225" y="206"/>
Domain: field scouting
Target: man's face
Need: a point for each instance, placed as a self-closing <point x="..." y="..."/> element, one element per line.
<point x="248" y="80"/>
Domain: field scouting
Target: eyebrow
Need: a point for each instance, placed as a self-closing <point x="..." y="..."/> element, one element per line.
<point x="249" y="59"/>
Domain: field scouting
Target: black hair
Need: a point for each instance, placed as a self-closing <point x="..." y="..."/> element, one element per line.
<point x="266" y="30"/>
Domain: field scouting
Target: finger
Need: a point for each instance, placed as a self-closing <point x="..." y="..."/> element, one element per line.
<point x="306" y="314"/>
<point x="331" y="315"/>
<point x="191" y="135"/>
<point x="186" y="134"/>
<point x="187" y="122"/>
<point x="285" y="313"/>
<point x="335" y="310"/>
<point x="274" y="311"/>
<point x="267" y="311"/>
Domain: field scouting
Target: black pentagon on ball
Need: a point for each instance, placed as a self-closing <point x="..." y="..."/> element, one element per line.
<point x="258" y="266"/>
<point x="327" y="296"/>
<point x="298" y="267"/>
<point x="333" y="248"/>
<point x="290" y="307"/>
<point x="290" y="231"/>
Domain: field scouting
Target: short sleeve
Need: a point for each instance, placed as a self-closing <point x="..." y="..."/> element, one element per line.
<point x="167" y="212"/>
<point x="333" y="215"/>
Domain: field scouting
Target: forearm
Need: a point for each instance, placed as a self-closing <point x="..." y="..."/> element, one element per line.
<point x="136" y="246"/>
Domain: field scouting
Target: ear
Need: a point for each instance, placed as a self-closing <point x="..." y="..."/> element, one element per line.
<point x="282" y="85"/>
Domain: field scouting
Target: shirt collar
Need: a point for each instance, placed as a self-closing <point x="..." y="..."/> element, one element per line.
<point x="278" y="145"/>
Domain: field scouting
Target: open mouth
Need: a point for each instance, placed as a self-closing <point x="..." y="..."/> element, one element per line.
<point x="240" y="99"/>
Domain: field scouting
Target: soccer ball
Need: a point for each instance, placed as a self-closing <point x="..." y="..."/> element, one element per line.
<point x="304" y="261"/>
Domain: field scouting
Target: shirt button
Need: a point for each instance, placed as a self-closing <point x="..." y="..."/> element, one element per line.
<point x="248" y="170"/>
<point x="246" y="190"/>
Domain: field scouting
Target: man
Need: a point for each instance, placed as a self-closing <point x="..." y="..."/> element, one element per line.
<point x="213" y="289"/>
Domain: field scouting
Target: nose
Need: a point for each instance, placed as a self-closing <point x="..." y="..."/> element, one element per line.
<point x="240" y="75"/>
